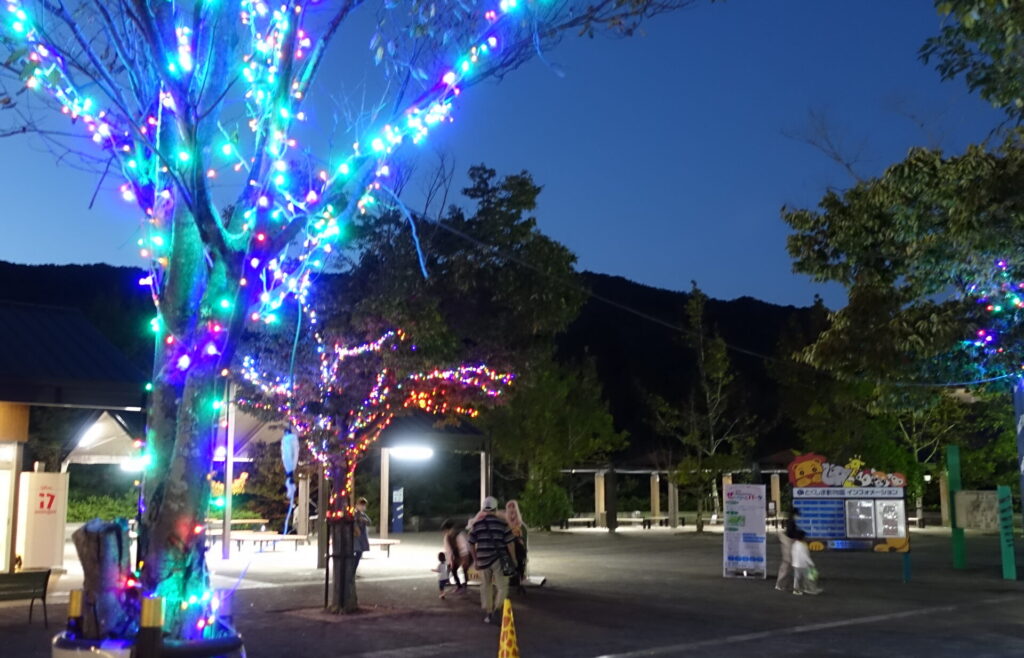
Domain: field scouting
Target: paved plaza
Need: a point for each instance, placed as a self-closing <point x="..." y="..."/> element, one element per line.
<point x="635" y="593"/>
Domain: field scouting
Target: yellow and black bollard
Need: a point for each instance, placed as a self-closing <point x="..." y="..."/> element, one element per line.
<point x="149" y="641"/>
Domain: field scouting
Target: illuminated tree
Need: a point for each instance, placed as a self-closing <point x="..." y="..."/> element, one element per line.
<point x="186" y="100"/>
<point x="338" y="431"/>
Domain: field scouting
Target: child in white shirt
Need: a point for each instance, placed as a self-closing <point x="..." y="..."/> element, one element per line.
<point x="443" y="574"/>
<point x="802" y="565"/>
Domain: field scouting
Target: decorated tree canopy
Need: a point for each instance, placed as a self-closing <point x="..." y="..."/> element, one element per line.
<point x="336" y="434"/>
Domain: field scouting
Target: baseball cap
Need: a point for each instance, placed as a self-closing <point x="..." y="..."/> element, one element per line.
<point x="490" y="503"/>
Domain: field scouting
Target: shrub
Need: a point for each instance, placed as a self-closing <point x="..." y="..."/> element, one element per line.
<point x="108" y="508"/>
<point x="544" y="504"/>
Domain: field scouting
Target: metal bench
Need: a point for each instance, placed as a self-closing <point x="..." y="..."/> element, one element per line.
<point x="26" y="585"/>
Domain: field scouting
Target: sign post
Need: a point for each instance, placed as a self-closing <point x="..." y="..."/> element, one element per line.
<point x="1006" y="532"/>
<point x="743" y="543"/>
<point x="954" y="485"/>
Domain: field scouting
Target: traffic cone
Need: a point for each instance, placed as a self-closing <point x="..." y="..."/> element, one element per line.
<point x="508" y="646"/>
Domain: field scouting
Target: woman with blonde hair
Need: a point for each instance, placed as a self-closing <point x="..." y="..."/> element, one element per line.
<point x="514" y="518"/>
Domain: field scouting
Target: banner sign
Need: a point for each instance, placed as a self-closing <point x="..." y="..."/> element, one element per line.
<point x="848" y="507"/>
<point x="743" y="543"/>
<point x="847" y="492"/>
<point x="42" y="513"/>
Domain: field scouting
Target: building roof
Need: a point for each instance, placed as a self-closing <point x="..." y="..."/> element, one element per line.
<point x="52" y="356"/>
<point x="421" y="428"/>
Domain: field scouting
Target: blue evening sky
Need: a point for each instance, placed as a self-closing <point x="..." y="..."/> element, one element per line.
<point x="662" y="156"/>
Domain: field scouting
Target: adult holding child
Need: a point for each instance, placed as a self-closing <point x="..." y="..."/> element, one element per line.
<point x="491" y="543"/>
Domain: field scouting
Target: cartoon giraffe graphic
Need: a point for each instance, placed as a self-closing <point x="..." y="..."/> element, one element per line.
<point x="855" y="464"/>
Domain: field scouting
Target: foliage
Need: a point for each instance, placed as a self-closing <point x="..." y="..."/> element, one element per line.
<point x="980" y="41"/>
<point x="712" y="425"/>
<point x="51" y="432"/>
<point x="498" y="289"/>
<point x="108" y="508"/>
<point x="546" y="502"/>
<point x="912" y="247"/>
<point x="264" y="489"/>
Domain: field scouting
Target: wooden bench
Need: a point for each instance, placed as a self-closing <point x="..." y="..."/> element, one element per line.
<point x="26" y="585"/>
<point x="384" y="544"/>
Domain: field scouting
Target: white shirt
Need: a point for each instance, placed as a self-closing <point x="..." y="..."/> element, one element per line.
<point x="442" y="572"/>
<point x="801" y="555"/>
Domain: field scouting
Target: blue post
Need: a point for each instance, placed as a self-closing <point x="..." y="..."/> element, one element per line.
<point x="906" y="567"/>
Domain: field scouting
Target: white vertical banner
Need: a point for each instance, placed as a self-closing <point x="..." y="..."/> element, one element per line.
<point x="744" y="553"/>
<point x="42" y="513"/>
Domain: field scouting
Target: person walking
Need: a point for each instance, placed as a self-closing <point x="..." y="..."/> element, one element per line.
<point x="442" y="573"/>
<point x="789" y="532"/>
<point x="489" y="537"/>
<point x="456" y="547"/>
<point x="361" y="541"/>
<point x="514" y="517"/>
<point x="804" y="578"/>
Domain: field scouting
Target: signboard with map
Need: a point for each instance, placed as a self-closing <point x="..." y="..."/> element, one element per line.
<point x="847" y="506"/>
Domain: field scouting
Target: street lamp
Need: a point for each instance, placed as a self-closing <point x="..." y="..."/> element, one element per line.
<point x="411" y="453"/>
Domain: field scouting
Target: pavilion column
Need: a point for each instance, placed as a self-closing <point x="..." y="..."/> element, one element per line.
<point x="322" y="543"/>
<point x="385" y="491"/>
<point x="655" y="495"/>
<point x="485" y="475"/>
<point x="302" y="510"/>
<point x="13" y="434"/>
<point x="777" y="494"/>
<point x="611" y="500"/>
<point x="599" y="509"/>
<point x="229" y="475"/>
<point x="673" y="502"/>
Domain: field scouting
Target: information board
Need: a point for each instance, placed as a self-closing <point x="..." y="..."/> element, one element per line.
<point x="743" y="542"/>
<point x="848" y="507"/>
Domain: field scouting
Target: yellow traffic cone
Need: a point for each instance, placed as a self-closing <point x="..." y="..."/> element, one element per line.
<point x="508" y="646"/>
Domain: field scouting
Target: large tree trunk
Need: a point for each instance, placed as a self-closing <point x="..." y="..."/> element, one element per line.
<point x="201" y="311"/>
<point x="176" y="499"/>
<point x="342" y="532"/>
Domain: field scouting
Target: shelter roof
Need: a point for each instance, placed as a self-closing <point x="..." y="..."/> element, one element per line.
<point x="53" y="356"/>
<point x="421" y="428"/>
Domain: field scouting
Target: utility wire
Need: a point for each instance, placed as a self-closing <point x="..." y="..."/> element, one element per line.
<point x="504" y="254"/>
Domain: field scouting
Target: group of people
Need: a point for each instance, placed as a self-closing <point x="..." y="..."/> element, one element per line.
<point x="492" y="543"/>
<point x="796" y="557"/>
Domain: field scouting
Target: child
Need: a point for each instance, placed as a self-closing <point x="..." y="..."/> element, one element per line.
<point x="803" y="565"/>
<point x="442" y="574"/>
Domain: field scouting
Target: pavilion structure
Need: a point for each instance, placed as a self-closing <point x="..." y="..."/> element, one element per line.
<point x="51" y="357"/>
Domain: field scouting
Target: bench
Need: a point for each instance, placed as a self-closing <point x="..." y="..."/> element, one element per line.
<point x="261" y="539"/>
<point x="26" y="585"/>
<point x="588" y="521"/>
<point x="384" y="544"/>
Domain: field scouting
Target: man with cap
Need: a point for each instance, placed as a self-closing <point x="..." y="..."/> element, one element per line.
<point x="487" y="538"/>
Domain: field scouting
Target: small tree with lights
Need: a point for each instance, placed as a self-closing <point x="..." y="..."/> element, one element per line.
<point x="185" y="100"/>
<point x="342" y="409"/>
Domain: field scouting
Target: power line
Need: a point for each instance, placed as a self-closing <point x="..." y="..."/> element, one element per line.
<point x="684" y="330"/>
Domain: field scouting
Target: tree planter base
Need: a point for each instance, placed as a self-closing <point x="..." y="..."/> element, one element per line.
<point x="62" y="647"/>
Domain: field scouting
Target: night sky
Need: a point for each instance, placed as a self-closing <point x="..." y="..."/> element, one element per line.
<point x="662" y="157"/>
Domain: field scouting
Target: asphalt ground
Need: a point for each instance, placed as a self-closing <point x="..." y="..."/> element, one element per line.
<point x="635" y="593"/>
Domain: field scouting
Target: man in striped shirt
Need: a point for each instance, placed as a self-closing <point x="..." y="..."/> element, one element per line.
<point x="487" y="538"/>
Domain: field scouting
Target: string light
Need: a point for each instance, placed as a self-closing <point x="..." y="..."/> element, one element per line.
<point x="339" y="443"/>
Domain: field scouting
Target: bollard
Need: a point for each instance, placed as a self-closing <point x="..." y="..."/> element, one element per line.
<point x="149" y="641"/>
<point x="74" y="627"/>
